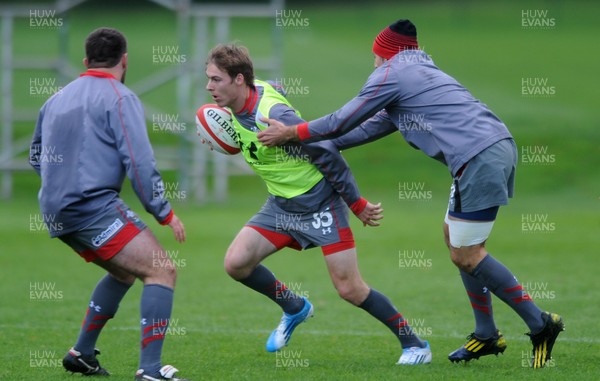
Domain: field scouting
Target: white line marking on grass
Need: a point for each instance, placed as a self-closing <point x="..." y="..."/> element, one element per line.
<point x="452" y="335"/>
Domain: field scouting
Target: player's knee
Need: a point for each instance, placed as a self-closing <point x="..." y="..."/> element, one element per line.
<point x="167" y="272"/>
<point x="456" y="257"/>
<point x="231" y="269"/>
<point x="171" y="273"/>
<point x="164" y="274"/>
<point x="163" y="267"/>
<point x="123" y="277"/>
<point x="234" y="266"/>
<point x="466" y="258"/>
<point x="346" y="293"/>
<point x="351" y="292"/>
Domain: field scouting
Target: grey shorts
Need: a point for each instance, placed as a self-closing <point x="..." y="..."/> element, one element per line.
<point x="487" y="180"/>
<point x="107" y="235"/>
<point x="326" y="227"/>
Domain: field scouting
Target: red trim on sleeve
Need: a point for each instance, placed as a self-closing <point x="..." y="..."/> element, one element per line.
<point x="302" y="131"/>
<point x="358" y="206"/>
<point x="167" y="220"/>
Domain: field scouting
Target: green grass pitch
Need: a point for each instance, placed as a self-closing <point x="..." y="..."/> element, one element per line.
<point x="548" y="236"/>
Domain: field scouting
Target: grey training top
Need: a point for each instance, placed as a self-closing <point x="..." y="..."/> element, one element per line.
<point x="433" y="112"/>
<point x="88" y="137"/>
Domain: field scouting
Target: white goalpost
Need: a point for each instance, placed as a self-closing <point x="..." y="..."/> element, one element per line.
<point x="198" y="27"/>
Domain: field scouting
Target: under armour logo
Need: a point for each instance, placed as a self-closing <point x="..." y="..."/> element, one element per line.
<point x="132" y="216"/>
<point x="95" y="307"/>
<point x="144" y="321"/>
<point x="326" y="230"/>
<point x="252" y="151"/>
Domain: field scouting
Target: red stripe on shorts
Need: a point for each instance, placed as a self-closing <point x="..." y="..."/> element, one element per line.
<point x="114" y="245"/>
<point x="279" y="240"/>
<point x="346" y="242"/>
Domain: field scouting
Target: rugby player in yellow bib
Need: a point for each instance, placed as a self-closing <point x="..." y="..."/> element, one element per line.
<point x="310" y="189"/>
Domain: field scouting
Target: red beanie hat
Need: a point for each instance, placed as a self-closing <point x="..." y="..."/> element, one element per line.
<point x="397" y="37"/>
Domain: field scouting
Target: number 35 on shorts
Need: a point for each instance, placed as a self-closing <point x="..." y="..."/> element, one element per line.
<point x="323" y="221"/>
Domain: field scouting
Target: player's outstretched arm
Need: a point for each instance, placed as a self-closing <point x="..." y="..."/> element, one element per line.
<point x="380" y="90"/>
<point x="378" y="126"/>
<point x="178" y="228"/>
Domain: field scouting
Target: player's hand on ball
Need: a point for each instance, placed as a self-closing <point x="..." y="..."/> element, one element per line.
<point x="371" y="214"/>
<point x="178" y="228"/>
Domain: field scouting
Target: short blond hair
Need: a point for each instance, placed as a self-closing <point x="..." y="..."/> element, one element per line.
<point x="234" y="60"/>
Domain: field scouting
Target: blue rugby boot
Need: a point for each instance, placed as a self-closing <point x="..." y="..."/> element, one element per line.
<point x="415" y="355"/>
<point x="281" y="335"/>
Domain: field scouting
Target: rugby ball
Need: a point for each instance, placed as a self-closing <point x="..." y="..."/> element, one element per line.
<point x="215" y="125"/>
